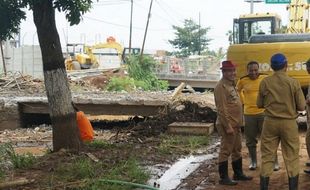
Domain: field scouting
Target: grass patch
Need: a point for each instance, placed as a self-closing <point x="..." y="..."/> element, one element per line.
<point x="19" y="161"/>
<point x="2" y="174"/>
<point x="91" y="174"/>
<point x="101" y="144"/>
<point x="172" y="143"/>
<point x="128" y="171"/>
<point x="81" y="168"/>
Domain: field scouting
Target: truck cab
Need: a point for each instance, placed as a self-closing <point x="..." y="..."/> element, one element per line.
<point x="255" y="24"/>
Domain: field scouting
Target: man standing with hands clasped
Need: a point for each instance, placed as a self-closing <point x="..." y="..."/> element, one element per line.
<point x="247" y="87"/>
<point x="281" y="97"/>
<point x="229" y="120"/>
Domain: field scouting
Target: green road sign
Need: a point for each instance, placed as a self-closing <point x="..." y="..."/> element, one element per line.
<point x="277" y="1"/>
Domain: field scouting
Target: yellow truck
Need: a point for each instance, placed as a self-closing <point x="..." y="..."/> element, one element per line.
<point x="259" y="36"/>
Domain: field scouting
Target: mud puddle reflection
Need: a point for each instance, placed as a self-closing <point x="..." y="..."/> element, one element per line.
<point x="170" y="179"/>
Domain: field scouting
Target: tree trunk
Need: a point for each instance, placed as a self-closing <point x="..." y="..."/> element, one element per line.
<point x="63" y="116"/>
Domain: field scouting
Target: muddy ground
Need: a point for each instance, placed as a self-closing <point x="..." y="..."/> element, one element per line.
<point x="206" y="176"/>
<point x="38" y="141"/>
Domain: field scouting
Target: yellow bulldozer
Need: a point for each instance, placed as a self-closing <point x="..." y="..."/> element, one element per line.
<point x="110" y="54"/>
<point x="77" y="59"/>
<point x="259" y="36"/>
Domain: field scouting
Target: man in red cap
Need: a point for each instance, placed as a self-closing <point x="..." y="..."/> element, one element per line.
<point x="281" y="97"/>
<point x="229" y="120"/>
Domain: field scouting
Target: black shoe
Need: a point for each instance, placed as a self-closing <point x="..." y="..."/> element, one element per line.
<point x="293" y="183"/>
<point x="227" y="181"/>
<point x="224" y="178"/>
<point x="307" y="171"/>
<point x="238" y="172"/>
<point x="264" y="183"/>
<point x="242" y="177"/>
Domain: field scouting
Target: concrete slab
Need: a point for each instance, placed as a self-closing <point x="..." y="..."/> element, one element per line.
<point x="191" y="128"/>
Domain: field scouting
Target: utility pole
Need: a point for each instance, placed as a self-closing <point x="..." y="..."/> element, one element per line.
<point x="252" y="4"/>
<point x="199" y="40"/>
<point x="3" y="61"/>
<point x="130" y="31"/>
<point x="147" y="25"/>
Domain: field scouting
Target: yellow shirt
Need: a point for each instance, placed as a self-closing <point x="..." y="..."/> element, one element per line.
<point x="248" y="90"/>
<point x="281" y="96"/>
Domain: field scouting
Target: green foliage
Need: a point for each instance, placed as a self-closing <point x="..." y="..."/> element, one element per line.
<point x="142" y="73"/>
<point x="121" y="84"/>
<point x="10" y="16"/>
<point x="12" y="12"/>
<point x="100" y="144"/>
<point x="73" y="9"/>
<point x="82" y="168"/>
<point x="141" y="76"/>
<point x="19" y="161"/>
<point x="190" y="39"/>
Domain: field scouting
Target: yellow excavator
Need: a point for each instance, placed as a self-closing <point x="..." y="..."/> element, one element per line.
<point x="259" y="36"/>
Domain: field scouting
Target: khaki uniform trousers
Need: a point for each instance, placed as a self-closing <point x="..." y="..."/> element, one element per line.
<point x="308" y="131"/>
<point x="252" y="129"/>
<point x="276" y="130"/>
<point x="230" y="144"/>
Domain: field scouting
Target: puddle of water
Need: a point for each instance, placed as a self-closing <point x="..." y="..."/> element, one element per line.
<point x="178" y="171"/>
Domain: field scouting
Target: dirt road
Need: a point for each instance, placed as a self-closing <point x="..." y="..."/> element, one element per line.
<point x="206" y="177"/>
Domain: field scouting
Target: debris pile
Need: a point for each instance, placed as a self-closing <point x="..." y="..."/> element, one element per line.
<point x="20" y="83"/>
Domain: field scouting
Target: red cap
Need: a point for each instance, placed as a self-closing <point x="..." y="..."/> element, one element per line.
<point x="228" y="65"/>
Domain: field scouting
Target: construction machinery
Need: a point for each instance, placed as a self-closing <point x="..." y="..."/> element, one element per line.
<point x="259" y="36"/>
<point x="110" y="54"/>
<point x="77" y="59"/>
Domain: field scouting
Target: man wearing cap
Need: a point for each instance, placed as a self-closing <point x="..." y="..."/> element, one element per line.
<point x="307" y="171"/>
<point x="229" y="120"/>
<point x="247" y="87"/>
<point x="281" y="97"/>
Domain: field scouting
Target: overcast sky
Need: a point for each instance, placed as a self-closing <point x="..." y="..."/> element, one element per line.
<point x="112" y="17"/>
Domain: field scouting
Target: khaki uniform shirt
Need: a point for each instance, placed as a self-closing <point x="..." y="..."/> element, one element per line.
<point x="281" y="96"/>
<point x="228" y="104"/>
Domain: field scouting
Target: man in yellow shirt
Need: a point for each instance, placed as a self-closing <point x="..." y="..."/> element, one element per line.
<point x="247" y="87"/>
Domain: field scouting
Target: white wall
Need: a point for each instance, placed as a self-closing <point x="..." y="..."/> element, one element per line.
<point x="27" y="60"/>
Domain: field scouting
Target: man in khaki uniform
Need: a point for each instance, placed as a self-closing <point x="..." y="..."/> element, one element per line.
<point x="307" y="171"/>
<point x="229" y="119"/>
<point x="282" y="97"/>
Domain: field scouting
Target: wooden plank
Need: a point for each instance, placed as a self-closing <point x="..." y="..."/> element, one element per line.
<point x="191" y="128"/>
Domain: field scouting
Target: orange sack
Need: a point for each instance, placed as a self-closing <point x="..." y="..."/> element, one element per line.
<point x="86" y="130"/>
